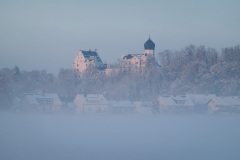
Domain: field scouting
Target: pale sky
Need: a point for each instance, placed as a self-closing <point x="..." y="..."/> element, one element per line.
<point x="47" y="34"/>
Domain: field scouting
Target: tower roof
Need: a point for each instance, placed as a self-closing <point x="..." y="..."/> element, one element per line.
<point x="149" y="44"/>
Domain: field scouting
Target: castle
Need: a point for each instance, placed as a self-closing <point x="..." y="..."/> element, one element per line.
<point x="85" y="59"/>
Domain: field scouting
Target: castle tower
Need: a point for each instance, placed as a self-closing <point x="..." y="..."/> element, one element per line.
<point x="149" y="47"/>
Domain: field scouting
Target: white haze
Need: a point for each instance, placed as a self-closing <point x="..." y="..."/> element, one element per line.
<point x="119" y="137"/>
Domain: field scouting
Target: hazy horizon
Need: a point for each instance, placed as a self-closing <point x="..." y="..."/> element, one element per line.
<point x="48" y="35"/>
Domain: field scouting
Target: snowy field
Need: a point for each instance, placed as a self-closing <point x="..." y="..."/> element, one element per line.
<point x="118" y="137"/>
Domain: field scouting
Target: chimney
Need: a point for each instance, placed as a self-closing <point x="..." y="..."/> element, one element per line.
<point x="43" y="93"/>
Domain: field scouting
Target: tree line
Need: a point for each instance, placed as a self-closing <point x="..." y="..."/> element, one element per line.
<point x="193" y="69"/>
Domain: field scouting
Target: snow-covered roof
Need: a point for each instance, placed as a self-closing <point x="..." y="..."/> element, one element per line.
<point x="92" y="99"/>
<point x="179" y="100"/>
<point x="131" y="56"/>
<point x="227" y="101"/>
<point x="33" y="98"/>
<point x="201" y="98"/>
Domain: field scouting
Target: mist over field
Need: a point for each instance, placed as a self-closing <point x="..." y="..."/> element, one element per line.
<point x="162" y="137"/>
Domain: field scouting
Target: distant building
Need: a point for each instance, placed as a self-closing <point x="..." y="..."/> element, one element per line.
<point x="200" y="101"/>
<point x="179" y="103"/>
<point x="40" y="102"/>
<point x="90" y="103"/>
<point x="85" y="59"/>
<point x="224" y="104"/>
<point x="139" y="60"/>
<point x="134" y="60"/>
<point x="149" y="47"/>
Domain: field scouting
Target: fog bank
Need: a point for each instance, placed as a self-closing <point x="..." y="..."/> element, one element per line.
<point x="36" y="136"/>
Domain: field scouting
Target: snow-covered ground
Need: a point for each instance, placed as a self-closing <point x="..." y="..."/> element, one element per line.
<point x="118" y="137"/>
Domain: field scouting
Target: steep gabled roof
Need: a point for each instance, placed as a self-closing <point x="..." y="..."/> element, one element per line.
<point x="88" y="54"/>
<point x="33" y="98"/>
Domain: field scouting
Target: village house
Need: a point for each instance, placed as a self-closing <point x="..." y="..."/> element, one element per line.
<point x="200" y="101"/>
<point x="179" y="103"/>
<point x="44" y="102"/>
<point x="224" y="104"/>
<point x="90" y="103"/>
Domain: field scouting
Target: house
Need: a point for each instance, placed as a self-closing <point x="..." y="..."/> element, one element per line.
<point x="44" y="102"/>
<point x="90" y="103"/>
<point x="224" y="104"/>
<point x="200" y="101"/>
<point x="180" y="103"/>
<point x="122" y="107"/>
<point x="85" y="59"/>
